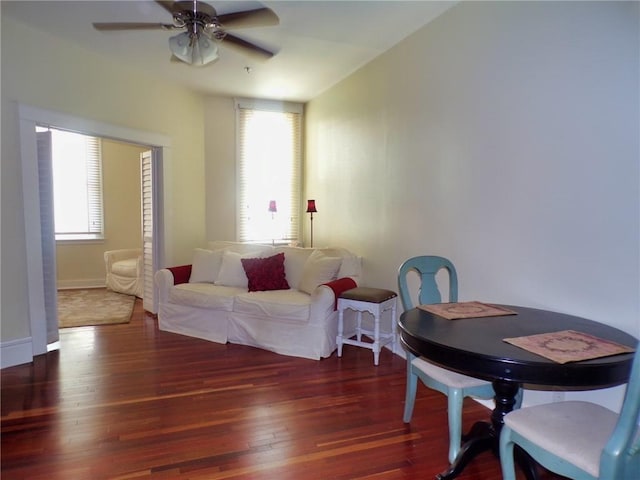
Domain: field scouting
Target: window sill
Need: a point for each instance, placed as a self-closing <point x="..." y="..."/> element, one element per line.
<point x="78" y="238"/>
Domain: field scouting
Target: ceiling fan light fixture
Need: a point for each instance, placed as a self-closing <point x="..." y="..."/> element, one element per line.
<point x="194" y="49"/>
<point x="204" y="30"/>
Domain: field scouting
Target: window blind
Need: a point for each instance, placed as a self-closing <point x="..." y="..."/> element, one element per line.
<point x="77" y="186"/>
<point x="268" y="169"/>
<point x="93" y="147"/>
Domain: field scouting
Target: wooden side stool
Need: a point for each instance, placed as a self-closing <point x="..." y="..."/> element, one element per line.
<point x="375" y="301"/>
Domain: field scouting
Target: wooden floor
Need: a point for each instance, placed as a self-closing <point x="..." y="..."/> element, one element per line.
<point x="130" y="401"/>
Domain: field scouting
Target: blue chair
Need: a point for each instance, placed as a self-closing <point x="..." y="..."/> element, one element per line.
<point x="456" y="386"/>
<point x="579" y="440"/>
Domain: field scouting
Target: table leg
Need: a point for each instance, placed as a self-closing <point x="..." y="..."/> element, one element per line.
<point x="505" y="399"/>
<point x="485" y="436"/>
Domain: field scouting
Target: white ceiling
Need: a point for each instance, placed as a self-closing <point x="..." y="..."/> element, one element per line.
<point x="318" y="43"/>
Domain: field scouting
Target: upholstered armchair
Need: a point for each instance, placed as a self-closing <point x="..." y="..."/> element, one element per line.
<point x="124" y="271"/>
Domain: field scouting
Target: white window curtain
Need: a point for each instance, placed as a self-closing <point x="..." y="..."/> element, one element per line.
<point x="269" y="163"/>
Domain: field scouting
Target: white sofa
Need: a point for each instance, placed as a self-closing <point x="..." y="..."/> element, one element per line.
<point x="211" y="298"/>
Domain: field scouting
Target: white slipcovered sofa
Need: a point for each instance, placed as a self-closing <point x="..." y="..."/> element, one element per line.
<point x="234" y="292"/>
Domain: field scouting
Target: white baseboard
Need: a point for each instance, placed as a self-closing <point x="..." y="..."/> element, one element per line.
<point x="16" y="352"/>
<point x="82" y="283"/>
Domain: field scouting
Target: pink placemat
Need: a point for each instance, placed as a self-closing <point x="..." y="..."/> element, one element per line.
<point x="568" y="346"/>
<point x="457" y="310"/>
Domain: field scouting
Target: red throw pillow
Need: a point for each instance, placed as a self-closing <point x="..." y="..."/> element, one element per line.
<point x="265" y="273"/>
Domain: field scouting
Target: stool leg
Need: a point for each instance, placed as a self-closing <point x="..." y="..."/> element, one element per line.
<point x="359" y="330"/>
<point x="340" y="331"/>
<point x="376" y="339"/>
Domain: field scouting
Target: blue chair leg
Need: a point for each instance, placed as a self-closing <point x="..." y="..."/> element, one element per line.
<point x="410" y="395"/>
<point x="518" y="399"/>
<point x="454" y="412"/>
<point x="506" y="455"/>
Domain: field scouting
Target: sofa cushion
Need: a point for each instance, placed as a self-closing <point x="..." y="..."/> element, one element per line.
<point x="256" y="250"/>
<point x="294" y="260"/>
<point x="231" y="272"/>
<point x="204" y="295"/>
<point x="351" y="264"/>
<point x="289" y="305"/>
<point x="205" y="265"/>
<point x="318" y="269"/>
<point x="265" y="273"/>
<point x="125" y="268"/>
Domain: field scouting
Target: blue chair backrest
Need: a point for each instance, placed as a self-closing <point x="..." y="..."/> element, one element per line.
<point x="427" y="266"/>
<point x="621" y="456"/>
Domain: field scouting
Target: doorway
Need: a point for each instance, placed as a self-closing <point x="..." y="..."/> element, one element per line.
<point x="39" y="234"/>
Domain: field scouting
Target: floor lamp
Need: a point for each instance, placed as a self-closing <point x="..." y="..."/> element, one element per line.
<point x="311" y="208"/>
<point x="273" y="210"/>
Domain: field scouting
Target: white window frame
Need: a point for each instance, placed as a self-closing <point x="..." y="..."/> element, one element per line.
<point x="94" y="186"/>
<point x="282" y="227"/>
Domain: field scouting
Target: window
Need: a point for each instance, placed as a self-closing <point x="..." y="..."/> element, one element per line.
<point x="77" y="185"/>
<point x="269" y="164"/>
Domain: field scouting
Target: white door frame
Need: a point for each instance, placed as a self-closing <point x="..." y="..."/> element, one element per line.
<point x="29" y="118"/>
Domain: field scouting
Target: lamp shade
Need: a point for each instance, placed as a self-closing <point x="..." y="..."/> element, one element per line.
<point x="311" y="206"/>
<point x="194" y="49"/>
<point x="272" y="206"/>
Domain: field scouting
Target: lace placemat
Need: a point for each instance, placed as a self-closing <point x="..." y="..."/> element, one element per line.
<point x="568" y="346"/>
<point x="458" y="310"/>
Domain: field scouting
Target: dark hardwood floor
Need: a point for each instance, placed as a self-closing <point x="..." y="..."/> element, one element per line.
<point x="130" y="401"/>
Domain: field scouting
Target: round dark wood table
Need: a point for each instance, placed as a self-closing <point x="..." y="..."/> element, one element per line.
<point x="475" y="346"/>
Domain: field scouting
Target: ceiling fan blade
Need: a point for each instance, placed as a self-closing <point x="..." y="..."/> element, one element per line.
<point x="105" y="27"/>
<point x="260" y="17"/>
<point x="245" y="47"/>
<point x="168" y="6"/>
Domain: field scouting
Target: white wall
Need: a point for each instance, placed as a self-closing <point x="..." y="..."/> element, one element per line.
<point x="48" y="73"/>
<point x="504" y="136"/>
<point x="220" y="168"/>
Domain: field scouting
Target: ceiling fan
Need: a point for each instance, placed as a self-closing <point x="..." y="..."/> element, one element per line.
<point x="203" y="29"/>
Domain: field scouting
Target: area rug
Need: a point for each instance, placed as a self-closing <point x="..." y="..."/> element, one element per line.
<point x="95" y="306"/>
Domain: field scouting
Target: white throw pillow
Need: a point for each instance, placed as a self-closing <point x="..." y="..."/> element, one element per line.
<point x="351" y="264"/>
<point x="205" y="265"/>
<point x="232" y="272"/>
<point x="318" y="269"/>
<point x="294" y="260"/>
